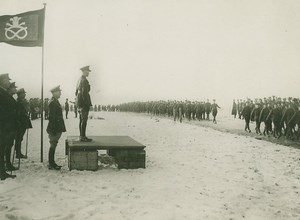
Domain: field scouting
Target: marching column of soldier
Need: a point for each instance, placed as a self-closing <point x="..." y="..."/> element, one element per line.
<point x="178" y="110"/>
<point x="15" y="115"/>
<point x="280" y="116"/>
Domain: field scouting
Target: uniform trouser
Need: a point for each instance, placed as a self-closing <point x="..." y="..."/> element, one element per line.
<point x="2" y="146"/>
<point x="8" y="143"/>
<point x="53" y="140"/>
<point x="83" y="117"/>
<point x="180" y="115"/>
<point x="277" y="128"/>
<point x="174" y="114"/>
<point x="75" y="111"/>
<point x="247" y="120"/>
<point x="19" y="139"/>
<point x="214" y="115"/>
<point x="257" y="126"/>
<point x="67" y="112"/>
<point x="207" y="115"/>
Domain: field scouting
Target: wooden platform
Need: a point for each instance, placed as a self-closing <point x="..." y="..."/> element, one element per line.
<point x="104" y="143"/>
<point x="128" y="153"/>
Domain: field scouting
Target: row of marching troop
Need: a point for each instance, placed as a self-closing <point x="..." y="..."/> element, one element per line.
<point x="280" y="116"/>
<point x="191" y="110"/>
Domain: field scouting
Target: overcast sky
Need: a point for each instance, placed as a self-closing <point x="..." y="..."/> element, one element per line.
<point x="162" y="49"/>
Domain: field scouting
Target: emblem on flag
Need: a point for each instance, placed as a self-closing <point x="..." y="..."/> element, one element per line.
<point x="24" y="30"/>
<point x="15" y="29"/>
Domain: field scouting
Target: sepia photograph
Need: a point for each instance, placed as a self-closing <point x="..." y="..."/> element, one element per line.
<point x="149" y="110"/>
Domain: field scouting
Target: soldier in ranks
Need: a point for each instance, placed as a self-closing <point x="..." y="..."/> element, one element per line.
<point x="214" y="109"/>
<point x="198" y="111"/>
<point x="207" y="109"/>
<point x="180" y="110"/>
<point x="263" y="118"/>
<point x="46" y="108"/>
<point x="203" y="110"/>
<point x="55" y="126"/>
<point x="246" y="113"/>
<point x="175" y="111"/>
<point x="83" y="101"/>
<point x="286" y="117"/>
<point x="193" y="110"/>
<point x="295" y="120"/>
<point x="234" y="109"/>
<point x="75" y="108"/>
<point x="255" y="116"/>
<point x="275" y="115"/>
<point x="240" y="108"/>
<point x="7" y="121"/>
<point x="67" y="108"/>
<point x="24" y="121"/>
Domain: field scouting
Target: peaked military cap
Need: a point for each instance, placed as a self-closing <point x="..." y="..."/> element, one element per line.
<point x="4" y="76"/>
<point x="85" y="68"/>
<point x="12" y="85"/>
<point x="55" y="89"/>
<point x="21" y="91"/>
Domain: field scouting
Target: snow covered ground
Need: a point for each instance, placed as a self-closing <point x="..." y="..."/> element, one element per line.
<point x="193" y="172"/>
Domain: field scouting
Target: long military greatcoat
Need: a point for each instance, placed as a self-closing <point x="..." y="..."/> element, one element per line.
<point x="8" y="112"/>
<point x="56" y="122"/>
<point x="83" y="99"/>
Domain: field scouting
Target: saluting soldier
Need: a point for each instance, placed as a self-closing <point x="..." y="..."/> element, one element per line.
<point x="7" y="120"/>
<point x="24" y="121"/>
<point x="214" y="109"/>
<point x="55" y="126"/>
<point x="83" y="101"/>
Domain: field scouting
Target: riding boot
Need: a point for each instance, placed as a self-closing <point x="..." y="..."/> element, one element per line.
<point x="83" y="137"/>
<point x="52" y="165"/>
<point x="9" y="166"/>
<point x="80" y="130"/>
<point x="55" y="165"/>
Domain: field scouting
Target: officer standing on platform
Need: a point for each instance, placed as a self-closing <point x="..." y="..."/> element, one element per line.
<point x="83" y="101"/>
<point x="55" y="126"/>
<point x="6" y="108"/>
<point x="24" y="121"/>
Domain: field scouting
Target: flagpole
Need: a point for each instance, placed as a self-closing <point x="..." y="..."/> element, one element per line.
<point x="42" y="90"/>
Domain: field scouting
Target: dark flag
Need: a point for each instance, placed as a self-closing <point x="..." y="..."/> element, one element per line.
<point x="24" y="30"/>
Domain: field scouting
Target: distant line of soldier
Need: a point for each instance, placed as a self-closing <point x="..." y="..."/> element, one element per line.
<point x="281" y="116"/>
<point x="178" y="110"/>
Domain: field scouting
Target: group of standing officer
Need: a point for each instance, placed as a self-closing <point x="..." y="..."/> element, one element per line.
<point x="14" y="121"/>
<point x="178" y="110"/>
<point x="281" y="116"/>
<point x="56" y="125"/>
